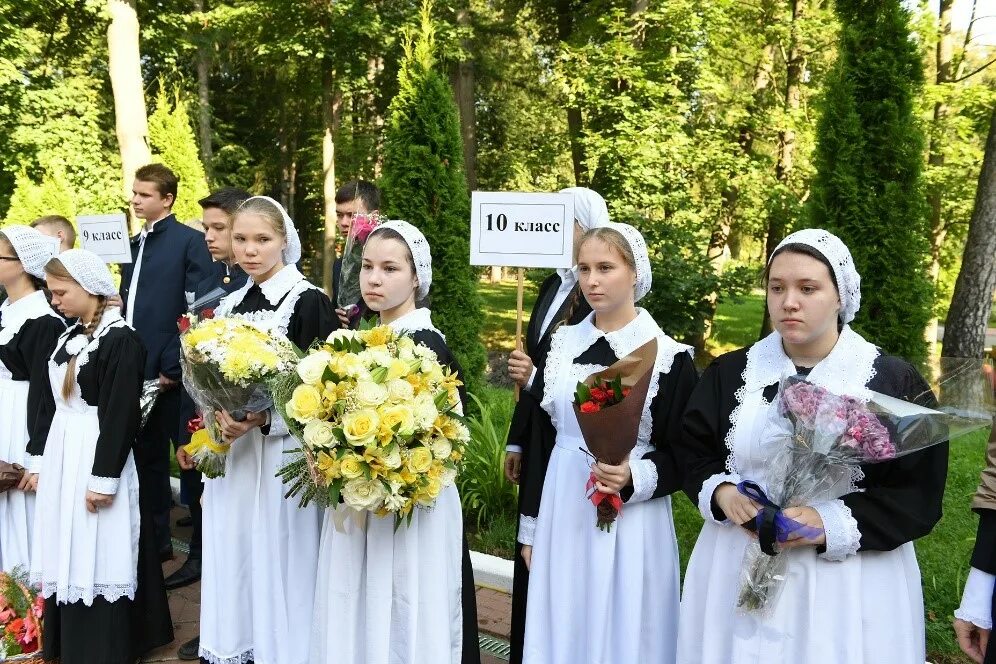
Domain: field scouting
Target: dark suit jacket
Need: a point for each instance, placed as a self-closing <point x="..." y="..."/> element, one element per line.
<point x="174" y="261"/>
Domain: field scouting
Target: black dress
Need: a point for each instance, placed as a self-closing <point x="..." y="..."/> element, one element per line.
<point x="532" y="432"/>
<point x="122" y="630"/>
<point x="471" y="655"/>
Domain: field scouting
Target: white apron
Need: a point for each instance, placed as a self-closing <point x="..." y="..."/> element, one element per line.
<point x="79" y="555"/>
<point x="260" y="550"/>
<point x="392" y="597"/>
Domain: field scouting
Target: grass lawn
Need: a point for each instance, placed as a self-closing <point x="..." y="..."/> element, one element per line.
<point x="499" y="312"/>
<point x="943" y="555"/>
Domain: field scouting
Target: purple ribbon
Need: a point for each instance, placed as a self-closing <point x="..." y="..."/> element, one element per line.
<point x="770" y="524"/>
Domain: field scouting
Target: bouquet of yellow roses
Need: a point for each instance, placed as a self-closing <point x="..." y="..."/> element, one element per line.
<point x="374" y="413"/>
<point x="226" y="365"/>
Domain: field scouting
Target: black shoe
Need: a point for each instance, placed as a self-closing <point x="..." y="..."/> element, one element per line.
<point x="188" y="573"/>
<point x="188" y="652"/>
<point x="185" y="521"/>
<point x="165" y="555"/>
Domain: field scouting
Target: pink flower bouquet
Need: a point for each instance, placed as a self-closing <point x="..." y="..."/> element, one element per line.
<point x="352" y="258"/>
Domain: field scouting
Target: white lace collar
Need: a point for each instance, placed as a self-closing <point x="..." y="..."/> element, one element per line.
<point x="416" y="320"/>
<point x="846" y="370"/>
<point x="76" y="342"/>
<point x="280" y="284"/>
<point x="623" y="341"/>
<point x="15" y="314"/>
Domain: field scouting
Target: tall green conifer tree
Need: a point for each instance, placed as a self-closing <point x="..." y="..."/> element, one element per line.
<point x="424" y="183"/>
<point x="869" y="160"/>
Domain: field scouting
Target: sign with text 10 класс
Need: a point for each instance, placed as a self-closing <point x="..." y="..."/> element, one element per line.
<point x="516" y="229"/>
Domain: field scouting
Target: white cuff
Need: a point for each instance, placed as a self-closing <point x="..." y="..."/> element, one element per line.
<point x="644" y="473"/>
<point x="708" y="488"/>
<point x="515" y="449"/>
<point x="33" y="464"/>
<point x="843" y="536"/>
<point x="105" y="485"/>
<point x="527" y="530"/>
<point x="977" y="599"/>
<point x="532" y="377"/>
<point x="277" y="425"/>
<point x="188" y="296"/>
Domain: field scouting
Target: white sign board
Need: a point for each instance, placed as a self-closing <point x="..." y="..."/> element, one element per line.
<point x="105" y="235"/>
<point x="521" y="230"/>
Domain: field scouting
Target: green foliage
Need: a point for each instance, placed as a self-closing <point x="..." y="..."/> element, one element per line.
<point x="424" y="184"/>
<point x="175" y="145"/>
<point x="30" y="200"/>
<point x="869" y="187"/>
<point x="485" y="494"/>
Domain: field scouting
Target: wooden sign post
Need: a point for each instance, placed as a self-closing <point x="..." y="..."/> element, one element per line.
<point x="521" y="230"/>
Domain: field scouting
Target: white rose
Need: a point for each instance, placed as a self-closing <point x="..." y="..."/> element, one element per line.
<point x="379" y="356"/>
<point x="425" y="411"/>
<point x="319" y="434"/>
<point x="393" y="458"/>
<point x="369" y="394"/>
<point x="441" y="448"/>
<point x="362" y="494"/>
<point x="400" y="390"/>
<point x="312" y="367"/>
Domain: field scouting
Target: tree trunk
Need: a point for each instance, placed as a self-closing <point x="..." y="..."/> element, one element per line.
<point x="124" y="66"/>
<point x="204" y="100"/>
<point x="463" y="89"/>
<point x="972" y="301"/>
<point x="935" y="158"/>
<point x="565" y="27"/>
<point x="331" y="112"/>
<point x="777" y="222"/>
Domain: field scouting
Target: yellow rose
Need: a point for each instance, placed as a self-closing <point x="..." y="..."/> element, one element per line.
<point x="305" y="404"/>
<point x="312" y="367"/>
<point x="363" y="494"/>
<point x="419" y="459"/>
<point x="400" y="416"/>
<point x="429" y="493"/>
<point x="400" y="390"/>
<point x="319" y="434"/>
<point x="351" y="466"/>
<point x="360" y="426"/>
<point x="369" y="394"/>
<point x="377" y="336"/>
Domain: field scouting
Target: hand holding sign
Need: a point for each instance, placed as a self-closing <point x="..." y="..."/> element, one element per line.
<point x="521" y="230"/>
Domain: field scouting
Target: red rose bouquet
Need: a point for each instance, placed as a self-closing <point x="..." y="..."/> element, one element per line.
<point x="608" y="405"/>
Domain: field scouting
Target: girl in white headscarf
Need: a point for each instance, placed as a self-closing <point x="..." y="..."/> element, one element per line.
<point x="405" y="595"/>
<point x="853" y="593"/>
<point x="260" y="550"/>
<point x="599" y="596"/>
<point x="531" y="435"/>
<point x="29" y="329"/>
<point x="93" y="553"/>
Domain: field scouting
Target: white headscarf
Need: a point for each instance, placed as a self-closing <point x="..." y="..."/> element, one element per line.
<point x="641" y="255"/>
<point x="589" y="208"/>
<point x="839" y="256"/>
<point x="292" y="252"/>
<point x="89" y="270"/>
<point x="34" y="248"/>
<point x="419" y="247"/>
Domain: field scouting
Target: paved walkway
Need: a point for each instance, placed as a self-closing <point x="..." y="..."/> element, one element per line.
<point x="493" y="611"/>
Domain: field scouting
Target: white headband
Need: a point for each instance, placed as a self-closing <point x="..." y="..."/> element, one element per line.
<point x="640" y="253"/>
<point x="589" y="208"/>
<point x="292" y="252"/>
<point x="839" y="256"/>
<point x="32" y="247"/>
<point x="89" y="270"/>
<point x="419" y="247"/>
